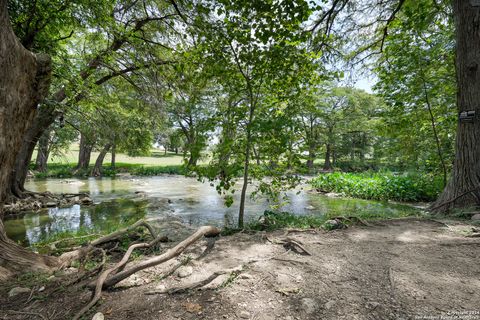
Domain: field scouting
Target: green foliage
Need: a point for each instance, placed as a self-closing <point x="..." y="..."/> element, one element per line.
<point x="273" y="220"/>
<point x="381" y="186"/>
<point x="157" y="170"/>
<point x="417" y="81"/>
<point x="56" y="170"/>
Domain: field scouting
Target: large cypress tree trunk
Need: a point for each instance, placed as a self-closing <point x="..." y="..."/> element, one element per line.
<point x="463" y="188"/>
<point x="44" y="117"/>
<point x="43" y="152"/>
<point x="24" y="82"/>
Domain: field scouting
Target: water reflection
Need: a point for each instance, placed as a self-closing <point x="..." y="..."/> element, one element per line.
<point x="195" y="203"/>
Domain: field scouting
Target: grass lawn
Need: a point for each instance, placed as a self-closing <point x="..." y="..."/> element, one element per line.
<point x="157" y="158"/>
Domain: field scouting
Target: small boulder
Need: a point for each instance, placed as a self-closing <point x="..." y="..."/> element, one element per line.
<point x="50" y="204"/>
<point x="310" y="208"/>
<point x="86" y="200"/>
<point x="18" y="290"/>
<point x="329" y="304"/>
<point x="309" y="305"/>
<point x="98" y="316"/>
<point x="244" y="314"/>
<point x="184" y="272"/>
<point x="333" y="224"/>
<point x="476" y="217"/>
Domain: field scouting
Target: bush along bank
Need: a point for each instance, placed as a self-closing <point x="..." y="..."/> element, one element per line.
<point x="408" y="187"/>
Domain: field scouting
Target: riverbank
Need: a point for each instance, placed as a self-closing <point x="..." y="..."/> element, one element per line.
<point x="395" y="269"/>
<point x="60" y="170"/>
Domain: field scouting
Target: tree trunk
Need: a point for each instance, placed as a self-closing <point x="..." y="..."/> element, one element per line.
<point x="97" y="169"/>
<point x="24" y="82"/>
<point x="241" y="211"/>
<point x="43" y="152"/>
<point x="463" y="188"/>
<point x="84" y="153"/>
<point x="114" y="155"/>
<point x="327" y="166"/>
<point x="256" y="153"/>
<point x="311" y="158"/>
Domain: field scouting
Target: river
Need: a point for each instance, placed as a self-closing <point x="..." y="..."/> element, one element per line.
<point x="121" y="200"/>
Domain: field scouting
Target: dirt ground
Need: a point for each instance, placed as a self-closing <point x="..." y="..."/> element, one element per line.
<point x="396" y="269"/>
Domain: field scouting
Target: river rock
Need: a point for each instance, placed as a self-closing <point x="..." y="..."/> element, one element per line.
<point x="86" y="200"/>
<point x="18" y="290"/>
<point x="244" y="314"/>
<point x="333" y="224"/>
<point x="329" y="304"/>
<point x="310" y="208"/>
<point x="98" y="316"/>
<point x="476" y="217"/>
<point x="50" y="204"/>
<point x="309" y="305"/>
<point x="184" y="272"/>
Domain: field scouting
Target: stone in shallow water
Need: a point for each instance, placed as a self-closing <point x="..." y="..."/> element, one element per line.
<point x="476" y="217"/>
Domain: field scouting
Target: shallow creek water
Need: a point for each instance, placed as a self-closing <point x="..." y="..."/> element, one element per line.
<point x="186" y="199"/>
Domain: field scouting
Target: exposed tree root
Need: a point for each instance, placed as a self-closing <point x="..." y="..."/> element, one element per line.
<point x="192" y="286"/>
<point x="446" y="204"/>
<point x="104" y="282"/>
<point x="79" y="254"/>
<point x="41" y="316"/>
<point x="291" y="244"/>
<point x="207" y="231"/>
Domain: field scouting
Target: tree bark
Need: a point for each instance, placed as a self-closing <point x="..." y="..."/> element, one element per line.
<point x="84" y="152"/>
<point x="327" y="165"/>
<point x="311" y="157"/>
<point x="97" y="168"/>
<point x="114" y="155"/>
<point x="24" y="82"/>
<point x="465" y="178"/>
<point x="43" y="152"/>
<point x="241" y="211"/>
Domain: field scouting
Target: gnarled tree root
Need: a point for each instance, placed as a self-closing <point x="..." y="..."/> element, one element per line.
<point x="103" y="281"/>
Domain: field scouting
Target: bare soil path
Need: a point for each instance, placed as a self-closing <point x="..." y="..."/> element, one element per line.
<point x="395" y="269"/>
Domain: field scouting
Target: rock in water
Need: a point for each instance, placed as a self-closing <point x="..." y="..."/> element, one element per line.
<point x="86" y="200"/>
<point x="476" y="217"/>
<point x="18" y="290"/>
<point x="98" y="316"/>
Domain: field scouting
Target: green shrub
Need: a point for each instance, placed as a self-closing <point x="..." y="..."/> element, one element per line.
<point x="381" y="186"/>
<point x="273" y="220"/>
<point x="156" y="170"/>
